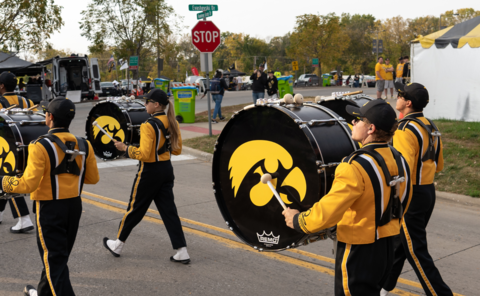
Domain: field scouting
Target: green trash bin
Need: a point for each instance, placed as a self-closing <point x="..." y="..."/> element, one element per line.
<point x="162" y="84"/>
<point x="285" y="85"/>
<point x="184" y="102"/>
<point x="326" y="79"/>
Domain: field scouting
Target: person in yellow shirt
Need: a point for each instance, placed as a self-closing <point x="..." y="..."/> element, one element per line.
<point x="54" y="177"/>
<point x="419" y="141"/>
<point x="159" y="138"/>
<point x="335" y="78"/>
<point x="380" y="76"/>
<point x="399" y="72"/>
<point x="363" y="203"/>
<point x="388" y="68"/>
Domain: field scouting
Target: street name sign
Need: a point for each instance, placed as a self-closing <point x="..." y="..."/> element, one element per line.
<point x="206" y="36"/>
<point x="133" y="63"/>
<point x="202" y="7"/>
<point x="315" y="62"/>
<point x="204" y="14"/>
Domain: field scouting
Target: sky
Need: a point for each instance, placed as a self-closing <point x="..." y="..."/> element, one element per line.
<point x="260" y="18"/>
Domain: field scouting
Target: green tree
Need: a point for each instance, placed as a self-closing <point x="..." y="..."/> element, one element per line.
<point x="26" y="24"/>
<point x="464" y="14"/>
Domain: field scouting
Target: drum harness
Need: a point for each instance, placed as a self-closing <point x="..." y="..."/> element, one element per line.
<point x="394" y="208"/>
<point x="68" y="165"/>
<point x="433" y="131"/>
<point x="159" y="124"/>
<point x="6" y="104"/>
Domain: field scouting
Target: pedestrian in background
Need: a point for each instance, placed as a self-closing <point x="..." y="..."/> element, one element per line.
<point x="348" y="80"/>
<point x="272" y="86"/>
<point x="217" y="89"/>
<point x="388" y="68"/>
<point x="335" y="78"/>
<point x="379" y="77"/>
<point x="399" y="72"/>
<point x="406" y="70"/>
<point x="356" y="81"/>
<point x="259" y="84"/>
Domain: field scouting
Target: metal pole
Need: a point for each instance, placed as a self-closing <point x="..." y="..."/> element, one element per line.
<point x="377" y="46"/>
<point x="208" y="92"/>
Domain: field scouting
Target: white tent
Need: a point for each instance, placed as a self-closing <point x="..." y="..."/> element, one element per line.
<point x="447" y="62"/>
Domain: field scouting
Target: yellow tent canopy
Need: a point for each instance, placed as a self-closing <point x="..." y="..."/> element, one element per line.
<point x="457" y="36"/>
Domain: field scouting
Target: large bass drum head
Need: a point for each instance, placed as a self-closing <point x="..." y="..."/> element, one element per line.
<point x="111" y="118"/>
<point x="8" y="153"/>
<point x="257" y="141"/>
<point x="339" y="106"/>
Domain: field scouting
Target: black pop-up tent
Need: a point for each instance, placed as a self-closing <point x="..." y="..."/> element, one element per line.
<point x="18" y="66"/>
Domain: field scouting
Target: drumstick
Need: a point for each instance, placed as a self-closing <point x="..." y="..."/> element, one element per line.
<point x="353" y="93"/>
<point x="266" y="178"/>
<point x="96" y="124"/>
<point x="33" y="107"/>
<point x="11" y="107"/>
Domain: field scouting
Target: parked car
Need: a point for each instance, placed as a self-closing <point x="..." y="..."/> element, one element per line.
<point x="307" y="80"/>
<point x="370" y="80"/>
<point x="108" y="89"/>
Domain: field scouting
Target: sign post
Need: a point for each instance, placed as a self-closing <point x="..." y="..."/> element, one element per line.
<point x="315" y="62"/>
<point x="206" y="38"/>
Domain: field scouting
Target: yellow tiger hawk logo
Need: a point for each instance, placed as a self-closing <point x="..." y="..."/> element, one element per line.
<point x="250" y="154"/>
<point x="7" y="158"/>
<point x="111" y="126"/>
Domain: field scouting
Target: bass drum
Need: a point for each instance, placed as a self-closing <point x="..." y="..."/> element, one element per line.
<point x="339" y="105"/>
<point x="300" y="144"/>
<point x="17" y="129"/>
<point x="121" y="119"/>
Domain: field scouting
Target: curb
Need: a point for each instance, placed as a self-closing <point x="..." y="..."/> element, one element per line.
<point x="197" y="153"/>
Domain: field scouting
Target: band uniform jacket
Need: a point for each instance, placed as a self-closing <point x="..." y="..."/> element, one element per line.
<point x="13" y="99"/>
<point x="358" y="192"/>
<point x="38" y="180"/>
<point x="412" y="141"/>
<point x="151" y="137"/>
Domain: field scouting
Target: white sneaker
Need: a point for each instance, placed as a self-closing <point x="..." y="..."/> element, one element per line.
<point x="1" y="217"/>
<point x="114" y="246"/>
<point x="24" y="224"/>
<point x="181" y="256"/>
<point x="383" y="292"/>
<point x="29" y="291"/>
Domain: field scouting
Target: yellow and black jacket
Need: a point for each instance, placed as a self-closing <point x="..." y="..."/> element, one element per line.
<point x="14" y="99"/>
<point x="358" y="198"/>
<point x="412" y="141"/>
<point x="152" y="139"/>
<point x="39" y="179"/>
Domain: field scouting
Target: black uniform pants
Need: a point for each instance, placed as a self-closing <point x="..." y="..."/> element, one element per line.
<point x="17" y="205"/>
<point x="57" y="226"/>
<point x="154" y="182"/>
<point x="362" y="269"/>
<point x="411" y="244"/>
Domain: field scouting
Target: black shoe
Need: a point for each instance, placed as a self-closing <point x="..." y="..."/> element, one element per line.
<point x="222" y="118"/>
<point x="23" y="230"/>
<point x="186" y="261"/>
<point x="26" y="290"/>
<point x="214" y="121"/>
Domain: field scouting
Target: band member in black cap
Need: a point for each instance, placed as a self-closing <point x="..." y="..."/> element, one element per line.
<point x="160" y="137"/>
<point x="58" y="165"/>
<point x="8" y="82"/>
<point x="272" y="85"/>
<point x="369" y="195"/>
<point x="259" y="84"/>
<point x="418" y="139"/>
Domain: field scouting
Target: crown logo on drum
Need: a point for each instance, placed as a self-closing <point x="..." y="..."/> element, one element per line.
<point x="107" y="154"/>
<point x="268" y="238"/>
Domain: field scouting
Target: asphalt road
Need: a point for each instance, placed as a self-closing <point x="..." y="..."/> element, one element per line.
<point x="221" y="264"/>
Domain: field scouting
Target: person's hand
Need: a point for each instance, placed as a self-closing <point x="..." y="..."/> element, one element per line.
<point x="254" y="71"/>
<point x="120" y="145"/>
<point x="289" y="214"/>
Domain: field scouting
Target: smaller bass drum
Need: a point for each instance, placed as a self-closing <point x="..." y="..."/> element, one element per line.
<point x="121" y="119"/>
<point x="18" y="127"/>
<point x="338" y="105"/>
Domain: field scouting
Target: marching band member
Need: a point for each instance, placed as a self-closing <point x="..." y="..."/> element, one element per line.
<point x="418" y="139"/>
<point x="159" y="138"/>
<point x="19" y="207"/>
<point x="362" y="203"/>
<point x="55" y="178"/>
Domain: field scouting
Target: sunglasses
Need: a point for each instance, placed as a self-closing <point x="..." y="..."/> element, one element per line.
<point x="356" y="120"/>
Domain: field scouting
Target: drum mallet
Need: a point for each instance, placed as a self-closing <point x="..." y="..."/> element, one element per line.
<point x="266" y="179"/>
<point x="97" y="125"/>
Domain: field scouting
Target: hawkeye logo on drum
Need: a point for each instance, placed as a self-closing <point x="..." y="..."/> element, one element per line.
<point x="7" y="158"/>
<point x="111" y="126"/>
<point x="259" y="155"/>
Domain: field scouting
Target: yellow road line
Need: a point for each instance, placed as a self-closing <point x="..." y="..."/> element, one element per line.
<point x="233" y="244"/>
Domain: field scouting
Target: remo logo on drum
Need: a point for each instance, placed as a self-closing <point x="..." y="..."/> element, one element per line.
<point x="7" y="159"/>
<point x="259" y="154"/>
<point x="110" y="125"/>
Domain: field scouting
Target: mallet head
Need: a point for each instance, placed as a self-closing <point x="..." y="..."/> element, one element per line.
<point x="298" y="99"/>
<point x="265" y="178"/>
<point x="288" y="99"/>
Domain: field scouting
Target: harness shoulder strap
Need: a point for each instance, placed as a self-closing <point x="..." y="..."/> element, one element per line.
<point x="155" y="122"/>
<point x="432" y="130"/>
<point x="4" y="102"/>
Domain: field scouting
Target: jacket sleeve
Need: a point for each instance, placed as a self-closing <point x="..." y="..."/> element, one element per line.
<point x="91" y="171"/>
<point x="147" y="138"/>
<point x="406" y="143"/>
<point x="224" y="83"/>
<point x="253" y="77"/>
<point x="33" y="174"/>
<point x="440" y="158"/>
<point x="347" y="187"/>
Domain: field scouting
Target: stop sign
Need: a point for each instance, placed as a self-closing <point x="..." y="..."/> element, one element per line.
<point x="206" y="36"/>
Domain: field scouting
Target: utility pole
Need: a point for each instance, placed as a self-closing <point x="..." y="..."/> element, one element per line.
<point x="254" y="62"/>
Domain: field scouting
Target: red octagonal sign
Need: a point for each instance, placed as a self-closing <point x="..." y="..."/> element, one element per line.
<point x="206" y="36"/>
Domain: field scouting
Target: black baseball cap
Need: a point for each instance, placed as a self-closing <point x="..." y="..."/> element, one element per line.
<point x="156" y="95"/>
<point x="270" y="71"/>
<point x="7" y="78"/>
<point x="377" y="112"/>
<point x="262" y="66"/>
<point x="60" y="108"/>
<point x="414" y="92"/>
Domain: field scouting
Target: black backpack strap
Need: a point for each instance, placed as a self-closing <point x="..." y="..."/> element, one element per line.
<point x="432" y="130"/>
<point x="4" y="102"/>
<point x="155" y="122"/>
